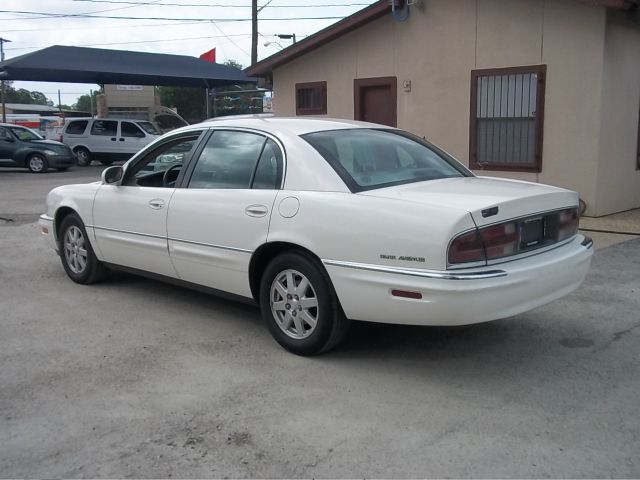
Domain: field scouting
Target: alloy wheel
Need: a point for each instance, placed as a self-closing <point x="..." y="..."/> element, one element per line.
<point x="75" y="251"/>
<point x="294" y="304"/>
<point x="36" y="163"/>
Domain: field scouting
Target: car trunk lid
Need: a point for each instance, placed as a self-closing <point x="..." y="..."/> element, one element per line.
<point x="489" y="200"/>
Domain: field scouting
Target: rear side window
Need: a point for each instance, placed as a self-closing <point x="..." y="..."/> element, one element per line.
<point x="269" y="169"/>
<point x="105" y="128"/>
<point x="228" y="160"/>
<point x="128" y="129"/>
<point x="77" y="127"/>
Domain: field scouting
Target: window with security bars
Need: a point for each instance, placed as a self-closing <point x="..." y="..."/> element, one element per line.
<point x="507" y="113"/>
<point x="311" y="98"/>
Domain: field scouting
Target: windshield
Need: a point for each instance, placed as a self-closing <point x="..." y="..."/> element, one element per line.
<point x="149" y="127"/>
<point x="366" y="158"/>
<point x="26" y="134"/>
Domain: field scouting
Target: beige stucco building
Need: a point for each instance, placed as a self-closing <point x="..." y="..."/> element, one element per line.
<point x="569" y="118"/>
<point x="127" y="101"/>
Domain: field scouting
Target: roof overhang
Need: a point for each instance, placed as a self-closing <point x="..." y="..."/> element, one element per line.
<point x="101" y="66"/>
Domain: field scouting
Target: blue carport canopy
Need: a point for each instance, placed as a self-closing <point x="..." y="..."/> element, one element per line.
<point x="101" y="66"/>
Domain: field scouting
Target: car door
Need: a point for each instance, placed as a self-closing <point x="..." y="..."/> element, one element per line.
<point x="130" y="219"/>
<point x="222" y="216"/>
<point x="132" y="139"/>
<point x="8" y="145"/>
<point x="103" y="136"/>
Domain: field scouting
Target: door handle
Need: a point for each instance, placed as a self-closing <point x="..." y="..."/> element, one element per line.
<point x="156" y="203"/>
<point x="113" y="139"/>
<point x="256" y="210"/>
<point x="122" y="139"/>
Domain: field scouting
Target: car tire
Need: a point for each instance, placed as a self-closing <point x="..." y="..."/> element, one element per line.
<point x="37" y="163"/>
<point x="77" y="255"/>
<point x="305" y="320"/>
<point x="83" y="155"/>
<point x="106" y="162"/>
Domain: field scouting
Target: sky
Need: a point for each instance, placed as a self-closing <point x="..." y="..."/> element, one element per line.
<point x="195" y="26"/>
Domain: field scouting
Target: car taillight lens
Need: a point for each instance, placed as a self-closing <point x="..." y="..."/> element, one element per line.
<point x="500" y="240"/>
<point x="467" y="248"/>
<point x="567" y="223"/>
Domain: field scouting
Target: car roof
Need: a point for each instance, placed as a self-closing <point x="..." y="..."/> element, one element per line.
<point x="293" y="125"/>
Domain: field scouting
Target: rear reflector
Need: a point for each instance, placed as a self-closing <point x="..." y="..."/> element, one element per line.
<point x="406" y="294"/>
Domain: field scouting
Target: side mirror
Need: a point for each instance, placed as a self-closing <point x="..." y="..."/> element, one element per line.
<point x="112" y="175"/>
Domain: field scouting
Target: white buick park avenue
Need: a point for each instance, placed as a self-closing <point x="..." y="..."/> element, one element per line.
<point x="321" y="222"/>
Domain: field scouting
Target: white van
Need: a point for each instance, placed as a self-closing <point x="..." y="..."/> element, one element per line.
<point x="107" y="139"/>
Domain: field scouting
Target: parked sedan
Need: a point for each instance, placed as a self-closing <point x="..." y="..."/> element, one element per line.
<point x="23" y="147"/>
<point x="321" y="222"/>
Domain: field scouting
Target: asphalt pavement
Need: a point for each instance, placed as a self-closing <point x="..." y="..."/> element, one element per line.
<point x="136" y="378"/>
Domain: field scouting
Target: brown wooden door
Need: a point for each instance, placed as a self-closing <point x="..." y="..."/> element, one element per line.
<point x="375" y="100"/>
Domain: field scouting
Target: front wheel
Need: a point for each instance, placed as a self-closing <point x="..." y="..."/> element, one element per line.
<point x="78" y="258"/>
<point x="300" y="306"/>
<point x="37" y="163"/>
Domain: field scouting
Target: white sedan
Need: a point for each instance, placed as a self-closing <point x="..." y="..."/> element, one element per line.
<point x="321" y="222"/>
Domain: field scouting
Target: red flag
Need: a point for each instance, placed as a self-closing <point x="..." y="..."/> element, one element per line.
<point x="209" y="56"/>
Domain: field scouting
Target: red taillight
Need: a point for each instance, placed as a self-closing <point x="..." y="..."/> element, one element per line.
<point x="500" y="240"/>
<point x="60" y="137"/>
<point x="567" y="223"/>
<point x="467" y="248"/>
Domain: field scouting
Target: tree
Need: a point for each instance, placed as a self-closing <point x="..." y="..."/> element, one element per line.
<point x="190" y="102"/>
<point x="83" y="103"/>
<point x="22" y="95"/>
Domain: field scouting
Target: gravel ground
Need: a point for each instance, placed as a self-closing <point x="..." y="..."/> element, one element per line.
<point x="135" y="378"/>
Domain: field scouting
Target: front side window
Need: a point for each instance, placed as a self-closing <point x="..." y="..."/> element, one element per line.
<point x="311" y="98"/>
<point x="369" y="158"/>
<point x="149" y="128"/>
<point x="507" y="113"/>
<point x="128" y="129"/>
<point x="77" y="127"/>
<point x="228" y="160"/>
<point x="26" y="134"/>
<point x="161" y="167"/>
<point x="107" y="128"/>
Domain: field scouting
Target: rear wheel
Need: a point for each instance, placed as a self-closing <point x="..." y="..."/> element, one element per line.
<point x="83" y="155"/>
<point x="78" y="258"/>
<point x="300" y="306"/>
<point x="37" y="163"/>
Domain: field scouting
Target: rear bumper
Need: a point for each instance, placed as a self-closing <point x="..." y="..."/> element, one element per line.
<point x="461" y="298"/>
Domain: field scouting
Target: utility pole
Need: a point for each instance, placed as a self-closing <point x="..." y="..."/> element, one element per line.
<point x="2" y="90"/>
<point x="254" y="32"/>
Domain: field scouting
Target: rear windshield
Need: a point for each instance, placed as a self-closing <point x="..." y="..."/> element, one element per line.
<point x="149" y="127"/>
<point x="368" y="158"/>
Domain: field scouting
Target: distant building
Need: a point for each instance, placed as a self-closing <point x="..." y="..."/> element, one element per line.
<point x="128" y="101"/>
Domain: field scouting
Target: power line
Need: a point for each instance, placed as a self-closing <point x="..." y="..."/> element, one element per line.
<point x="91" y="27"/>
<point x="142" y="41"/>
<point x="224" y="5"/>
<point x="82" y="15"/>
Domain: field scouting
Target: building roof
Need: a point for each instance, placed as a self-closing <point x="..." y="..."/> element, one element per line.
<point x="363" y="17"/>
<point x="31" y="107"/>
<point x="101" y="66"/>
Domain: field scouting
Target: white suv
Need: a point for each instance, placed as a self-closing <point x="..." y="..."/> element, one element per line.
<point x="106" y="139"/>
